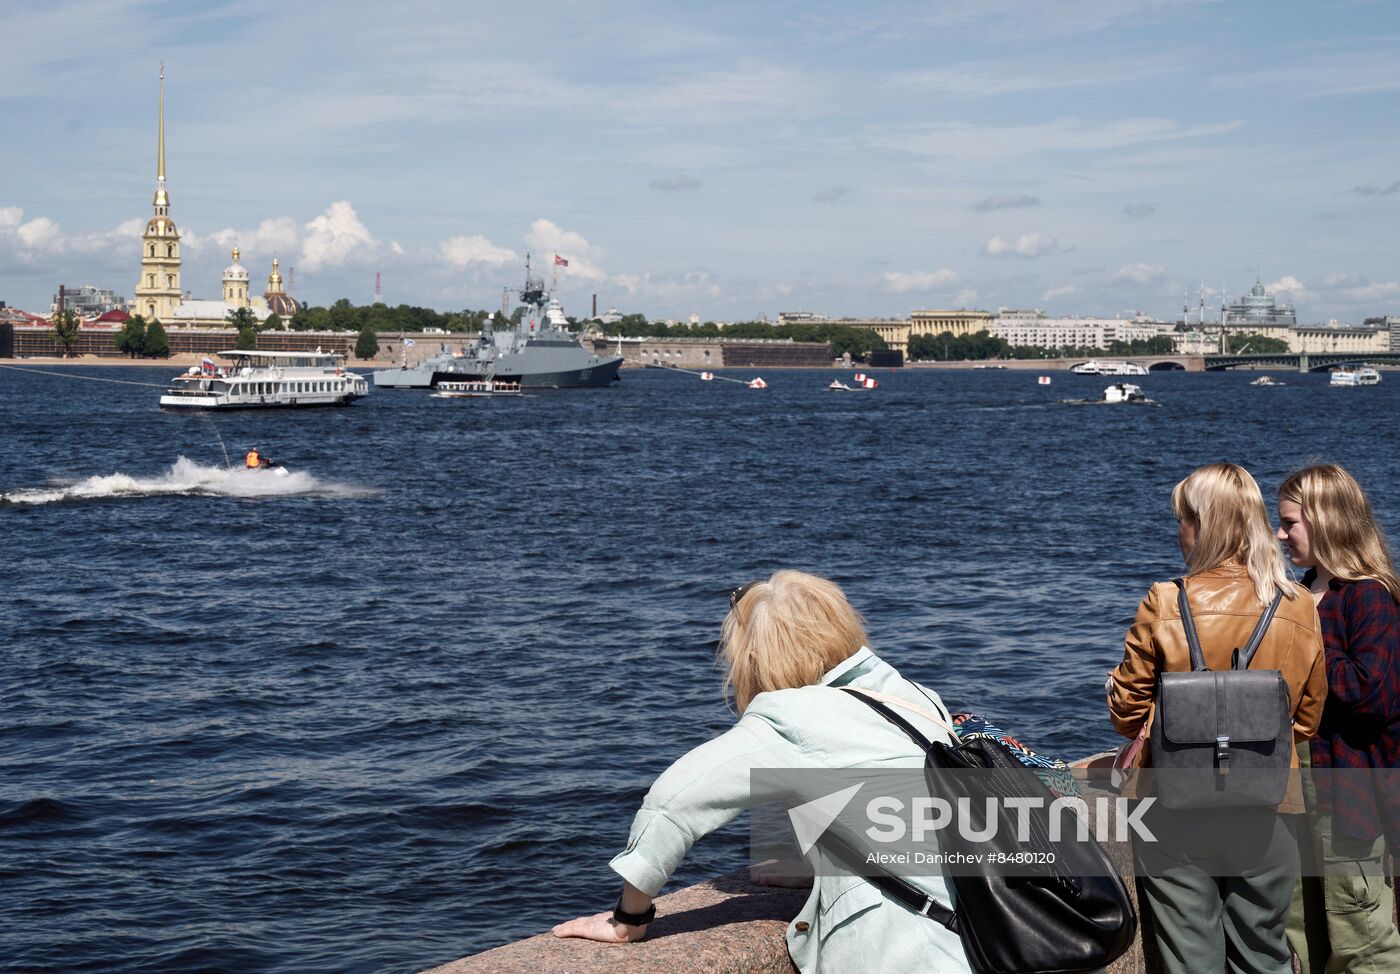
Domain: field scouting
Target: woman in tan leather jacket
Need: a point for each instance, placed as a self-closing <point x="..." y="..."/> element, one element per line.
<point x="1219" y="882"/>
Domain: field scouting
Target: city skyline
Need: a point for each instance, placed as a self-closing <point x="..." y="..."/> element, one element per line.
<point x="731" y="162"/>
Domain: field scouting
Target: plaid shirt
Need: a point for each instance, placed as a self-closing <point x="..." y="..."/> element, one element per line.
<point x="1361" y="720"/>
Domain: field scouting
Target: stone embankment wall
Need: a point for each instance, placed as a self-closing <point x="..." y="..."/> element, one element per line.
<point x="730" y="925"/>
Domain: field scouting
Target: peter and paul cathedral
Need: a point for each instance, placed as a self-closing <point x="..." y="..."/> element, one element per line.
<point x="158" y="292"/>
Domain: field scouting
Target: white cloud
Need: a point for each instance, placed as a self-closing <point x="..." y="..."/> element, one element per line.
<point x="43" y="237"/>
<point x="1028" y="245"/>
<point x="674" y="184"/>
<point x="396" y="249"/>
<point x="275" y="235"/>
<point x="1063" y="291"/>
<point x="1139" y="274"/>
<point x="545" y="237"/>
<point x="334" y="238"/>
<point x="690" y="285"/>
<point x="902" y="282"/>
<point x="1009" y="202"/>
<point x="1287" y="283"/>
<point x="461" y="252"/>
<point x="40" y="233"/>
<point x="1073" y="136"/>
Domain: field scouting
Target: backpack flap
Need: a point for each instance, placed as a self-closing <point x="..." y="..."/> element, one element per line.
<point x="1243" y="707"/>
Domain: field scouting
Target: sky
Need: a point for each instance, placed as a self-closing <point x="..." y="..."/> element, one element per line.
<point x="728" y="160"/>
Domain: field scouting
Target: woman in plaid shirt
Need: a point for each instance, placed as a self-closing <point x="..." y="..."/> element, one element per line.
<point x="1344" y="919"/>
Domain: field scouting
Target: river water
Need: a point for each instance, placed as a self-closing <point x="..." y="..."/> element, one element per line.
<point x="400" y="706"/>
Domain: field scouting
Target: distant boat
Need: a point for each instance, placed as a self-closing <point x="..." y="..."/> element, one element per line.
<point x="838" y="386"/>
<point x="1365" y="376"/>
<point x="1124" y="392"/>
<point x="1108" y="367"/>
<point x="483" y="389"/>
<point x="1267" y="380"/>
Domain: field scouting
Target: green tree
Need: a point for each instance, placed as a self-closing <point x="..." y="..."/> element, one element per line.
<point x="241" y="318"/>
<point x="367" y="345"/>
<point x="272" y="322"/>
<point x="132" y="338"/>
<point x="1257" y="344"/>
<point x="66" y="327"/>
<point x="247" y="339"/>
<point x="157" y="341"/>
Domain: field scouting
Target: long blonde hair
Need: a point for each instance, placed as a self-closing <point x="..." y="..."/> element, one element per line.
<point x="1226" y="503"/>
<point x="1346" y="540"/>
<point x="787" y="632"/>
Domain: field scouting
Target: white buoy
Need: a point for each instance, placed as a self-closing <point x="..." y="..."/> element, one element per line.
<point x="1044" y="380"/>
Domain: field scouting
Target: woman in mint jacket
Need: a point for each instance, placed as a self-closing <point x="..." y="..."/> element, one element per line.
<point x="789" y="643"/>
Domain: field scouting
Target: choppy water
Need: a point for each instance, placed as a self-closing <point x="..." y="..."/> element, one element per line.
<point x="400" y="706"/>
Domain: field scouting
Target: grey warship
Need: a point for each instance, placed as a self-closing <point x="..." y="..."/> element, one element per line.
<point x="539" y="353"/>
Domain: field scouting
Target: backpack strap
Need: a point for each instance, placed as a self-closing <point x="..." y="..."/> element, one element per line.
<point x="896" y="887"/>
<point x="1198" y="658"/>
<point x="1242" y="657"/>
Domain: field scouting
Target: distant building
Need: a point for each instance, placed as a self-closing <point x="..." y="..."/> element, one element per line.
<point x="90" y="301"/>
<point x="1038" y="330"/>
<point x="801" y="318"/>
<point x="1333" y="337"/>
<point x="896" y="332"/>
<point x="1257" y="313"/>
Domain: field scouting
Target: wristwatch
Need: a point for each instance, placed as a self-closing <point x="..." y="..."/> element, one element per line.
<point x="634" y="919"/>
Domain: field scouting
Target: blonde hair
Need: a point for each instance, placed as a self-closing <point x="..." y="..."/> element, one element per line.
<point x="787" y="632"/>
<point x="1226" y="503"/>
<point x="1346" y="540"/>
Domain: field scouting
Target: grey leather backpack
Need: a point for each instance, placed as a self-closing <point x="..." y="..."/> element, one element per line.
<point x="1221" y="739"/>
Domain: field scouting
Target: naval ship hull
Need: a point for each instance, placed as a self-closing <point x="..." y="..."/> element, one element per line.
<point x="535" y="367"/>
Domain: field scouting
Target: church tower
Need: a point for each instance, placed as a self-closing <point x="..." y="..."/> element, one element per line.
<point x="158" y="290"/>
<point x="236" y="283"/>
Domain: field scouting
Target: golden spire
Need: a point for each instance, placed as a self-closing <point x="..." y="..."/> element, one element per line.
<point x="274" y="280"/>
<point x="235" y="253"/>
<point x="162" y="200"/>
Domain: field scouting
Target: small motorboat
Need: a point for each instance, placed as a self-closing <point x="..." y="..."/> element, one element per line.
<point x="476" y="389"/>
<point x="1267" y="380"/>
<point x="838" y="386"/>
<point x="1124" y="392"/>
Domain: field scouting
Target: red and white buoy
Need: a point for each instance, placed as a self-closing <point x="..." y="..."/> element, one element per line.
<point x="758" y="383"/>
<point x="1044" y="380"/>
<point x="707" y="377"/>
<point x="870" y="383"/>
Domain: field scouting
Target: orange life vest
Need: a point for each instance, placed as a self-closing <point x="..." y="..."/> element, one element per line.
<point x="252" y="458"/>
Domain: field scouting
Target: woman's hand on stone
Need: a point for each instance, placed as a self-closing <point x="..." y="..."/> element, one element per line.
<point x="601" y="927"/>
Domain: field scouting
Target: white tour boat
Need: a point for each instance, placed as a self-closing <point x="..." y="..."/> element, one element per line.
<point x="1108" y="367"/>
<point x="476" y="389"/>
<point x="1124" y="392"/>
<point x="266" y="380"/>
<point x="1364" y="376"/>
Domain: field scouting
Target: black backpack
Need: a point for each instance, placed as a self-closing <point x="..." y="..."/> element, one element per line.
<point x="1076" y="916"/>
<point x="1221" y="739"/>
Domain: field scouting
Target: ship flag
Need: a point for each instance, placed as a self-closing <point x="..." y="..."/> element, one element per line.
<point x="560" y="261"/>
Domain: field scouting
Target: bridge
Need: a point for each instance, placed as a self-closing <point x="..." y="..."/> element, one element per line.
<point x="1302" y="361"/>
